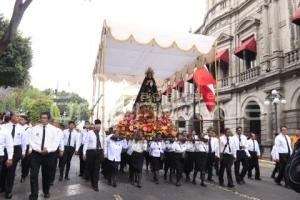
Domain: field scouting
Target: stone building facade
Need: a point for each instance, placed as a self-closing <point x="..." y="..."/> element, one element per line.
<point x="248" y="77"/>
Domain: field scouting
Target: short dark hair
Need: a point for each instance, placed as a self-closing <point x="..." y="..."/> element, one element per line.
<point x="46" y="113"/>
<point x="97" y="121"/>
<point x="25" y="117"/>
<point x="239" y="127"/>
<point x="226" y="129"/>
<point x="71" y="122"/>
<point x="284" y="126"/>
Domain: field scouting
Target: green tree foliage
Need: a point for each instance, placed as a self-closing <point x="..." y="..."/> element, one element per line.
<point x="15" y="61"/>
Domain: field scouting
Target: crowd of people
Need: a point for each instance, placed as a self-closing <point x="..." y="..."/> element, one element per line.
<point x="47" y="145"/>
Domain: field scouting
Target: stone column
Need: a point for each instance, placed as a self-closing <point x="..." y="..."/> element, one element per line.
<point x="265" y="19"/>
<point x="275" y="27"/>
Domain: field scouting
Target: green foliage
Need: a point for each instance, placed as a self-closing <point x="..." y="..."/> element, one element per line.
<point x="15" y="61"/>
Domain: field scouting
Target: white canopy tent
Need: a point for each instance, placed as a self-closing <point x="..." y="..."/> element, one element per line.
<point x="125" y="53"/>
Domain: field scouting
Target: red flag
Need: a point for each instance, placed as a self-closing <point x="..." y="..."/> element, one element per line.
<point x="205" y="83"/>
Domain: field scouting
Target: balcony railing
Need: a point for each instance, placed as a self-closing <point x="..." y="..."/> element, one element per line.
<point x="224" y="82"/>
<point x="249" y="74"/>
<point x="292" y="57"/>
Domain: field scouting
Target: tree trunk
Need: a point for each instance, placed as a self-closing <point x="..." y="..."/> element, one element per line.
<point x="19" y="9"/>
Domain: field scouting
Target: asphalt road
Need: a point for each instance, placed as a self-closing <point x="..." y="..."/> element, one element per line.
<point x="78" y="189"/>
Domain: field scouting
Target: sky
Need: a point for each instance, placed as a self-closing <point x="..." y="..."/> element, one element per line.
<point x="65" y="34"/>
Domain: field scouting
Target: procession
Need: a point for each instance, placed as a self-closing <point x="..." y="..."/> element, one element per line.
<point x="149" y="99"/>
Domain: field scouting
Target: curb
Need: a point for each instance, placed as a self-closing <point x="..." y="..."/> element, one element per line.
<point x="266" y="161"/>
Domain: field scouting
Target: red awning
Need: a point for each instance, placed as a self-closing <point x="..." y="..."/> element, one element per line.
<point x="168" y="90"/>
<point x="179" y="85"/>
<point x="296" y="18"/>
<point x="223" y="56"/>
<point x="247" y="50"/>
<point x="191" y="78"/>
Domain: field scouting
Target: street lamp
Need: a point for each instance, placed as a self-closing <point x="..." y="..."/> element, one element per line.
<point x="275" y="98"/>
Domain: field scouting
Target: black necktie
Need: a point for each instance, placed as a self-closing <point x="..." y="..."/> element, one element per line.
<point x="43" y="139"/>
<point x="13" y="131"/>
<point x="288" y="146"/>
<point x="253" y="145"/>
<point x="227" y="144"/>
<point x="209" y="146"/>
<point x="69" y="139"/>
<point x="240" y="142"/>
<point x="98" y="144"/>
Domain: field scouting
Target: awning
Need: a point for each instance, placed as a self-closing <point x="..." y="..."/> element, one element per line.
<point x="247" y="50"/>
<point x="190" y="79"/>
<point x="179" y="85"/>
<point x="223" y="56"/>
<point x="296" y="18"/>
<point x="168" y="90"/>
<point x="126" y="53"/>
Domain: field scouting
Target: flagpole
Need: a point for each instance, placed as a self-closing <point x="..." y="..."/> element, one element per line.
<point x="217" y="98"/>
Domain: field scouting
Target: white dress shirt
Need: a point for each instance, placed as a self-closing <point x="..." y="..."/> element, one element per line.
<point x="139" y="146"/>
<point x="83" y="134"/>
<point x="74" y="140"/>
<point x="253" y="146"/>
<point x="229" y="148"/>
<point x="214" y="142"/>
<point x="20" y="137"/>
<point x="156" y="149"/>
<point x="179" y="147"/>
<point x="6" y="142"/>
<point x="281" y="145"/>
<point x="201" y="146"/>
<point x="169" y="146"/>
<point x="241" y="143"/>
<point x="114" y="148"/>
<point x="91" y="141"/>
<point x="61" y="146"/>
<point x="52" y="138"/>
<point x="190" y="147"/>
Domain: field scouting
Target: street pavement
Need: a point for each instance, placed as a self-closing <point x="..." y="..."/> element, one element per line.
<point x="78" y="189"/>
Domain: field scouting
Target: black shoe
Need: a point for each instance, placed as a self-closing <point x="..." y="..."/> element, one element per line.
<point x="178" y="184"/>
<point x="188" y="179"/>
<point x="249" y="177"/>
<point x="203" y="185"/>
<point x="96" y="189"/>
<point x="114" y="184"/>
<point x="221" y="184"/>
<point x="22" y="180"/>
<point x="165" y="177"/>
<point x="47" y="196"/>
<point x="51" y="184"/>
<point x="243" y="182"/>
<point x="258" y="179"/>
<point x="60" y="178"/>
<point x="67" y="178"/>
<point x="239" y="182"/>
<point x="230" y="185"/>
<point x="32" y="198"/>
<point x="194" y="182"/>
<point x="273" y="176"/>
<point x="210" y="180"/>
<point x="8" y="195"/>
<point x="80" y="175"/>
<point x="278" y="183"/>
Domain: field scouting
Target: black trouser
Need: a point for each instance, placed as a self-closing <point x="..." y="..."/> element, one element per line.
<point x="93" y="161"/>
<point x="283" y="160"/>
<point x="253" y="164"/>
<point x="275" y="170"/>
<point x="241" y="158"/>
<point x="66" y="161"/>
<point x="8" y="174"/>
<point x="54" y="166"/>
<point x="226" y="162"/>
<point x="81" y="162"/>
<point x="210" y="163"/>
<point x="217" y="165"/>
<point x="2" y="163"/>
<point x="25" y="163"/>
<point x="46" y="162"/>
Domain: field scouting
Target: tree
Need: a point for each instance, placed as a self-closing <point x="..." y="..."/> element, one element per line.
<point x="11" y="31"/>
<point x="15" y="61"/>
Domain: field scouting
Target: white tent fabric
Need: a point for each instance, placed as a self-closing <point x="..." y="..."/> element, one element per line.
<point x="126" y="52"/>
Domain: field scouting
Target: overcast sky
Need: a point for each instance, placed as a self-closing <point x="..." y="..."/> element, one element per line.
<point x="65" y="33"/>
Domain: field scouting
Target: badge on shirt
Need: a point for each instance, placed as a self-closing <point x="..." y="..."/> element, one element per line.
<point x="37" y="134"/>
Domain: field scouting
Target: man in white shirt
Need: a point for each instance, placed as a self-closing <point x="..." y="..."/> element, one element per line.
<point x="17" y="132"/>
<point x="43" y="143"/>
<point x="94" y="149"/>
<point x="227" y="156"/>
<point x="25" y="163"/>
<point x="72" y="144"/>
<point x="6" y="143"/>
<point x="213" y="153"/>
<point x="283" y="151"/>
<point x="242" y="156"/>
<point x="254" y="151"/>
